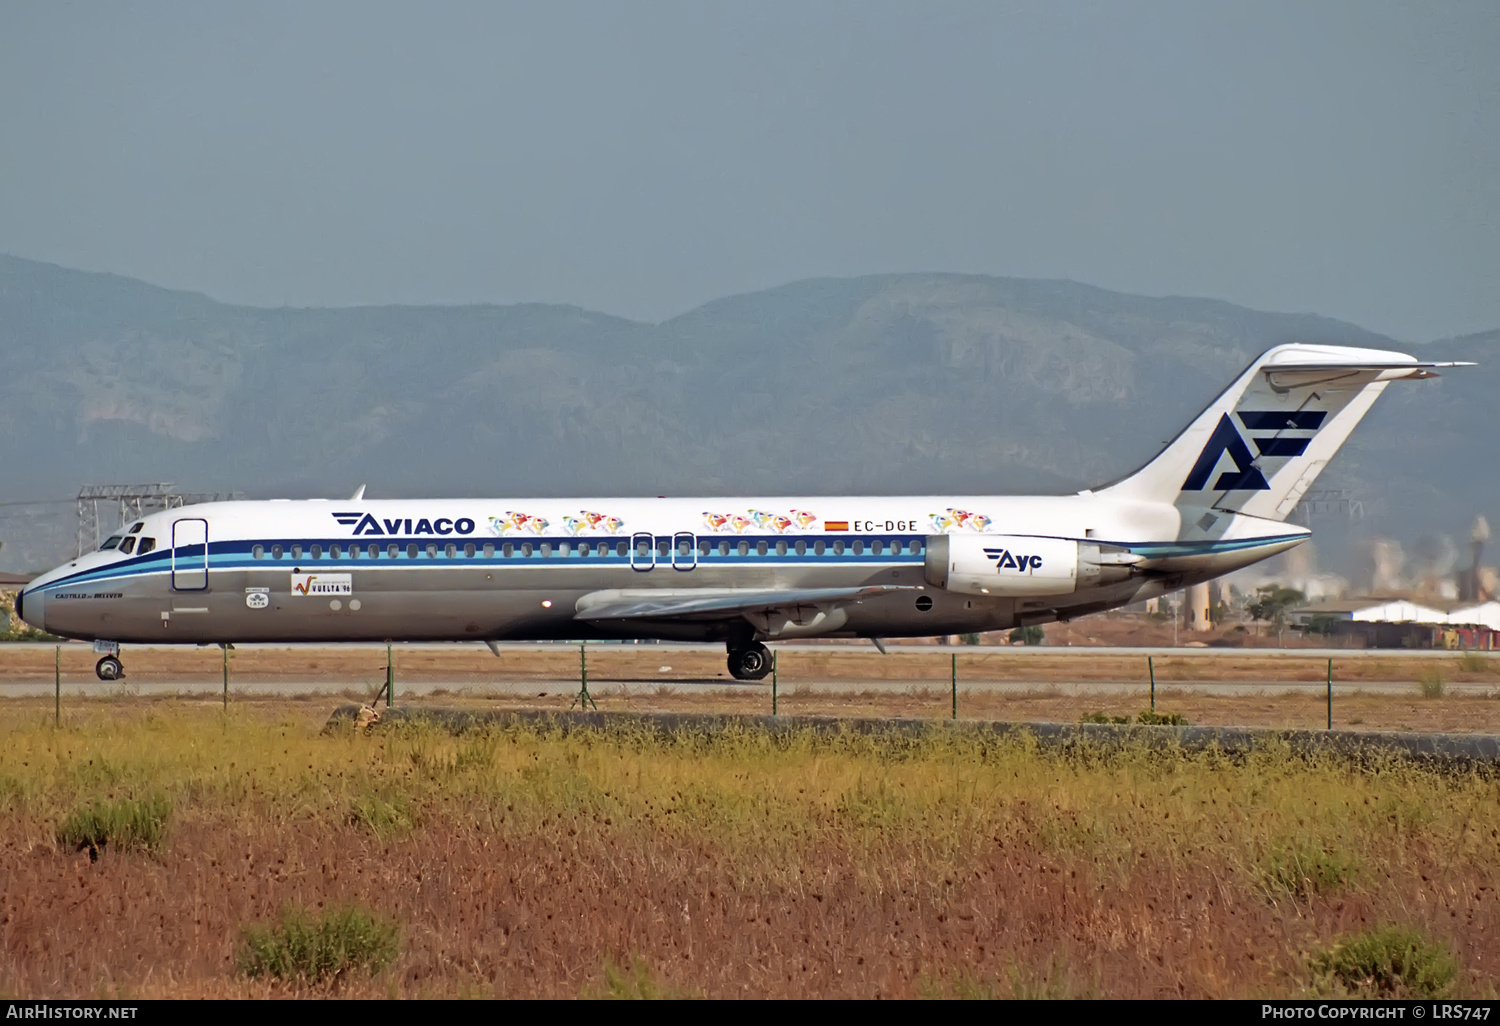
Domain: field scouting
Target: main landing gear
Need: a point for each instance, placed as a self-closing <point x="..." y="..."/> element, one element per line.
<point x="749" y="662"/>
<point x="109" y="668"/>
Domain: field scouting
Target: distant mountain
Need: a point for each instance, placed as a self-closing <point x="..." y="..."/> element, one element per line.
<point x="890" y="383"/>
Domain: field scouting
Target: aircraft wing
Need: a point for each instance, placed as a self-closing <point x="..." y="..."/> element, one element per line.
<point x="716" y="603"/>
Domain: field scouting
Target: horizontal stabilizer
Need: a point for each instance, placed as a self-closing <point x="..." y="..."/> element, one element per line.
<point x="1261" y="444"/>
<point x="714" y="603"/>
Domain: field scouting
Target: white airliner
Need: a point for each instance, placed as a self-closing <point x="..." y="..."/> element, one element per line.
<point x="742" y="571"/>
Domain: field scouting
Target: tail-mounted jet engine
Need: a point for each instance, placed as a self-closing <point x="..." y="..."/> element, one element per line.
<point x="1009" y="565"/>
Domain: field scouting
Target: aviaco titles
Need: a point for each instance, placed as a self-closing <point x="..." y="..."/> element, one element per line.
<point x="742" y="571"/>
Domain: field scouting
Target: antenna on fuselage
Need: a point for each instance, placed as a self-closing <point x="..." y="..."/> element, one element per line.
<point x="359" y="493"/>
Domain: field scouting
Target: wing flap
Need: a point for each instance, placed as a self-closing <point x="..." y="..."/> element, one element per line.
<point x="716" y="604"/>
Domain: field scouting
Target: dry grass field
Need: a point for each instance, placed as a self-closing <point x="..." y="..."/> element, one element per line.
<point x="253" y="855"/>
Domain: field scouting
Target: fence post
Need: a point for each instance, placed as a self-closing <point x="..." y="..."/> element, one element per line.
<point x="773" y="683"/>
<point x="1330" y="694"/>
<point x="953" y="681"/>
<point x="1151" y="669"/>
<point x="390" y="677"/>
<point x="583" y="699"/>
<point x="225" y="649"/>
<point x="57" y="686"/>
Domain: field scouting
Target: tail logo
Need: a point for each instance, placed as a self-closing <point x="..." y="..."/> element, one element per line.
<point x="1246" y="475"/>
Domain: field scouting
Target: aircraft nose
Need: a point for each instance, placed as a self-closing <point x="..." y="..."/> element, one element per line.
<point x="31" y="606"/>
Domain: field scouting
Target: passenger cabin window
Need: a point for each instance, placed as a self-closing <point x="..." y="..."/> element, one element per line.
<point x="507" y="549"/>
<point x="258" y="551"/>
<point x="723" y="548"/>
<point x="838" y="548"/>
<point x="147" y="544"/>
<point x="526" y="548"/>
<point x="621" y="548"/>
<point x="469" y="550"/>
<point x="128" y="544"/>
<point x="858" y="548"/>
<point x="760" y="548"/>
<point x="392" y="550"/>
<point x="111" y="542"/>
<point x="802" y="548"/>
<point x="817" y="548"/>
<point x="583" y="548"/>
<point x="489" y="550"/>
<point x="373" y="552"/>
<point x="411" y="551"/>
<point x="450" y="550"/>
<point x="275" y="551"/>
<point x="334" y="552"/>
<point x="316" y="552"/>
<point x="296" y="551"/>
<point x="781" y="548"/>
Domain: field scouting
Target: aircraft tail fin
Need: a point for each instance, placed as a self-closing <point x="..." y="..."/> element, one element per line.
<point x="1259" y="446"/>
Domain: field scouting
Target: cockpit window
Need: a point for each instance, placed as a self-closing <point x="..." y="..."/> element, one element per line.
<point x="135" y="528"/>
<point x="128" y="544"/>
<point x="147" y="544"/>
<point x="110" y="542"/>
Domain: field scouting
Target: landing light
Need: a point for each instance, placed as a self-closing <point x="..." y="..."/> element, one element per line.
<point x="546" y="603"/>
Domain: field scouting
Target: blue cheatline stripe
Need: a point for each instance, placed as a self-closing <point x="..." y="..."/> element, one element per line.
<point x="1161" y="550"/>
<point x="238" y="555"/>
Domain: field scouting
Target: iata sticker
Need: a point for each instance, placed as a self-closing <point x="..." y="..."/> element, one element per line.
<point x="257" y="600"/>
<point x="309" y="585"/>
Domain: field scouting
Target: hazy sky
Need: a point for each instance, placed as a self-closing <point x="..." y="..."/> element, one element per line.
<point x="641" y="158"/>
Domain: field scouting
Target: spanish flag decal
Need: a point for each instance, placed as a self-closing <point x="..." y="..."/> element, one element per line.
<point x="835" y="525"/>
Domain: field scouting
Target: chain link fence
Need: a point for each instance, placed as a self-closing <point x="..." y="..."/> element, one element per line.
<point x="1399" y="690"/>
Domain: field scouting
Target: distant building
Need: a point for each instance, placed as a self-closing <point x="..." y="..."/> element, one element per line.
<point x="1406" y="623"/>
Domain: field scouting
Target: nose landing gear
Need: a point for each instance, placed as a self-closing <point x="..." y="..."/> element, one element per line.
<point x="109" y="668"/>
<point x="750" y="662"/>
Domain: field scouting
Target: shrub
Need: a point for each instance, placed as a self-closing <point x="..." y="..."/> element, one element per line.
<point x="1102" y="717"/>
<point x="1432" y="683"/>
<point x="1392" y="961"/>
<point x="968" y="639"/>
<point x="633" y="982"/>
<point x="1152" y="718"/>
<point x="1473" y="662"/>
<point x="1306" y="869"/>
<point x="1032" y="635"/>
<point x="127" y="823"/>
<point x="299" y="947"/>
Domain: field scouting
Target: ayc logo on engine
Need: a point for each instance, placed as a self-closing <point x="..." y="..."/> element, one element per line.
<point x="1007" y="560"/>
